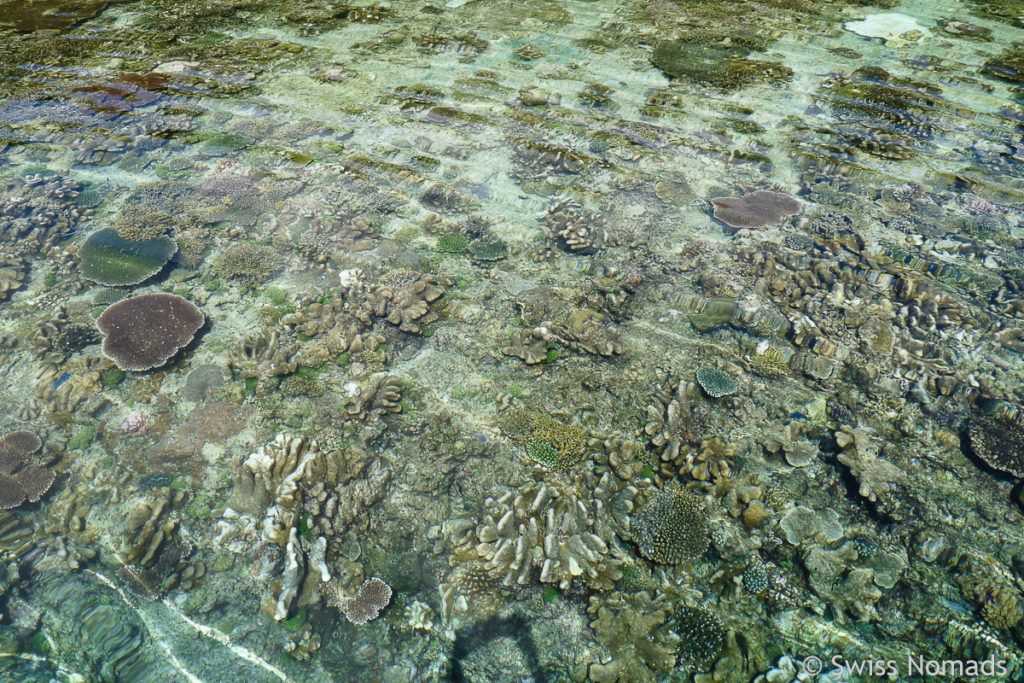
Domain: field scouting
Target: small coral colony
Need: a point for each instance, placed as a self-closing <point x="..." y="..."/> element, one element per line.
<point x="570" y="340"/>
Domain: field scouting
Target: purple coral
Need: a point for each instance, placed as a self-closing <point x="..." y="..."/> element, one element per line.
<point x="19" y="478"/>
<point x="980" y="207"/>
<point x="134" y="423"/>
<point x="756" y="210"/>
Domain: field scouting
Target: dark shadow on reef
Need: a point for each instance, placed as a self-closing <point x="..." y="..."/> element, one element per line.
<point x="482" y="632"/>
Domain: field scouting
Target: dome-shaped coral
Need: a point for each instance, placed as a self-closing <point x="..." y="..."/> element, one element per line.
<point x="143" y="332"/>
<point x="701" y="634"/>
<point x="670" y="528"/>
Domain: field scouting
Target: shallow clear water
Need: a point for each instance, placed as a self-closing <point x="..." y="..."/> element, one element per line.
<point x="498" y="341"/>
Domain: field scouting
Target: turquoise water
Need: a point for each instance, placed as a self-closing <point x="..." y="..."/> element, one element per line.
<point x="496" y="341"/>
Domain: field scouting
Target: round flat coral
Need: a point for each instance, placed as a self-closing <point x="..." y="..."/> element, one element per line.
<point x="755" y="210"/>
<point x="143" y="332"/>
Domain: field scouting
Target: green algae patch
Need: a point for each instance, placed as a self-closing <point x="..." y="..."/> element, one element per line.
<point x="81" y="439"/>
<point x="111" y="378"/>
<point x="109" y="259"/>
<point x="296" y="622"/>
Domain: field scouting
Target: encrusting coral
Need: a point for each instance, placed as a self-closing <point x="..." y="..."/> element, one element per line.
<point x="998" y="439"/>
<point x="636" y="630"/>
<point x="876" y="476"/>
<point x="555" y="445"/>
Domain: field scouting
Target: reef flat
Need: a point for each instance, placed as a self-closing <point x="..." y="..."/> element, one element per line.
<point x="582" y="340"/>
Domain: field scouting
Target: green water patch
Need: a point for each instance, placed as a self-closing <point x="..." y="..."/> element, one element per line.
<point x="109" y="259"/>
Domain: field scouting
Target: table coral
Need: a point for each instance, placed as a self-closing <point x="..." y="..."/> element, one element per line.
<point x="756" y="210"/>
<point x="143" y="332"/>
<point x="21" y="480"/>
<point x="365" y="606"/>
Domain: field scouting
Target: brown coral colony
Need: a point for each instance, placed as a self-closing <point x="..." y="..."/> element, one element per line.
<point x="756" y="210"/>
<point x="143" y="332"/>
<point x="20" y="480"/>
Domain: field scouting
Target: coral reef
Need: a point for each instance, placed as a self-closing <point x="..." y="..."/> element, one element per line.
<point x="877" y="477"/>
<point x="508" y="363"/>
<point x="38" y="211"/>
<point x="574" y="229"/>
<point x="250" y="264"/>
<point x="542" y="526"/>
<point x="723" y="66"/>
<point x="149" y="525"/>
<point x="12" y="275"/>
<point x="711" y="461"/>
<point x="263" y="354"/>
<point x="701" y="633"/>
<point x="716" y="383"/>
<point x="551" y="323"/>
<point x="301" y="500"/>
<point x="546" y="440"/>
<point x="998" y="439"/>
